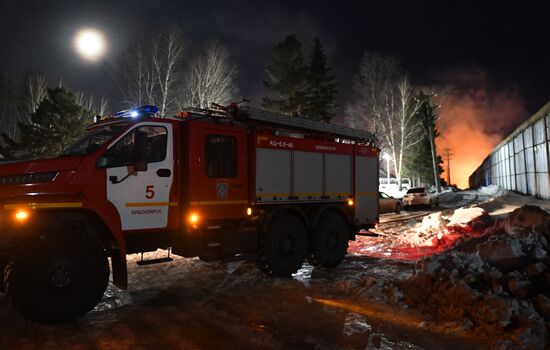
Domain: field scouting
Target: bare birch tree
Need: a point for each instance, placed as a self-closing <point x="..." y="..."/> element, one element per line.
<point x="210" y="78"/>
<point x="91" y="104"/>
<point x="167" y="55"/>
<point x="408" y="127"/>
<point x="151" y="75"/>
<point x="102" y="105"/>
<point x="36" y="89"/>
<point x="137" y="78"/>
<point x="86" y="102"/>
<point x="384" y="104"/>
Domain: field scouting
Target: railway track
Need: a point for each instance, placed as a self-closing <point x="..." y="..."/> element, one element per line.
<point x="466" y="200"/>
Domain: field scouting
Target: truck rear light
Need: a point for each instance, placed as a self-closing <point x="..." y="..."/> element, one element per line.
<point x="248" y="211"/>
<point x="21" y="215"/>
<point x="350" y="202"/>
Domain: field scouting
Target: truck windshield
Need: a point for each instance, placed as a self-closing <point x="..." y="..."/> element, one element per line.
<point x="93" y="140"/>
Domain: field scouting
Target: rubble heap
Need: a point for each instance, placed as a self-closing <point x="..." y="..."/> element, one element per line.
<point x="496" y="285"/>
<point x="437" y="230"/>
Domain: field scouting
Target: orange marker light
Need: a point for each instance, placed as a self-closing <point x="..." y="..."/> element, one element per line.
<point x="193" y="218"/>
<point x="249" y="211"/>
<point x="22" y="215"/>
<point x="350" y="202"/>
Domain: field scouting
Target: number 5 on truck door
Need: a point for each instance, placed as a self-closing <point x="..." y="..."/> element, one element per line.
<point x="150" y="192"/>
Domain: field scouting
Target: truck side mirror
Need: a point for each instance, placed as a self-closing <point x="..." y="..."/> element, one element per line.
<point x="140" y="152"/>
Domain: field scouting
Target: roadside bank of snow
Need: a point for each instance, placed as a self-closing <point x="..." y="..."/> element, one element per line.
<point x="436" y="232"/>
<point x="493" y="191"/>
<point x="495" y="283"/>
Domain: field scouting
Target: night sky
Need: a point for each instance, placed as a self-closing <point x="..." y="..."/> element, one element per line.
<point x="436" y="41"/>
<point x="497" y="49"/>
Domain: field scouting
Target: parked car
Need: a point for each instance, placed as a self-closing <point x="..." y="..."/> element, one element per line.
<point x="420" y="196"/>
<point x="389" y="204"/>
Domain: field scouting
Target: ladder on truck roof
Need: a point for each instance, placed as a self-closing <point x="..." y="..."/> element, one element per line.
<point x="307" y="124"/>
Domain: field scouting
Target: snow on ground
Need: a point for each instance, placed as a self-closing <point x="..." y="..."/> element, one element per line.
<point x="473" y="275"/>
<point x="492" y="191"/>
<point x="433" y="230"/>
<point x="478" y="287"/>
<point x="495" y="285"/>
<point x="463" y="216"/>
<point x="447" y="195"/>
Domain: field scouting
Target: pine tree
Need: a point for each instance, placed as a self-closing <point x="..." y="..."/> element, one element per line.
<point x="286" y="78"/>
<point x="418" y="163"/>
<point x="321" y="88"/>
<point x="423" y="160"/>
<point x="56" y="124"/>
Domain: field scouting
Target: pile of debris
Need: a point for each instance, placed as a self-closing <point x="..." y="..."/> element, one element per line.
<point x="437" y="230"/>
<point x="496" y="284"/>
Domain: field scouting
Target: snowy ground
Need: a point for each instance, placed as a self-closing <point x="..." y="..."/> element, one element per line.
<point x="189" y="304"/>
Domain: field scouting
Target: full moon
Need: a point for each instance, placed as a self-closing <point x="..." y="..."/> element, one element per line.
<point x="89" y="44"/>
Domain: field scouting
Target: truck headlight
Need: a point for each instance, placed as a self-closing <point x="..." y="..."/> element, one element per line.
<point x="21" y="215"/>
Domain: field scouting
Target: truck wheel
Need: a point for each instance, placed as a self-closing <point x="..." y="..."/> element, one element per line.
<point x="283" y="247"/>
<point x="57" y="277"/>
<point x="330" y="241"/>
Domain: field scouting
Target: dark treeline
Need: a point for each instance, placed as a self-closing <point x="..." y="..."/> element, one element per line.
<point x="41" y="119"/>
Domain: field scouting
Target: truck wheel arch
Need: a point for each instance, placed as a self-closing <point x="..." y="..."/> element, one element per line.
<point x="114" y="245"/>
<point x="286" y="210"/>
<point x="331" y="208"/>
<point x="95" y="227"/>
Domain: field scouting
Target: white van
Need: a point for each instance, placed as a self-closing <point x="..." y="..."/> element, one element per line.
<point x="406" y="183"/>
<point x="390" y="187"/>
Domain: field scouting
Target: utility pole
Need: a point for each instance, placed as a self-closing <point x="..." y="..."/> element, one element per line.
<point x="428" y="118"/>
<point x="448" y="157"/>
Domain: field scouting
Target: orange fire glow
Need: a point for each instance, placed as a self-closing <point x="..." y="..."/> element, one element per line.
<point x="471" y="124"/>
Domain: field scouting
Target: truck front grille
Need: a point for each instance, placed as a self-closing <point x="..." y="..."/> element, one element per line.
<point x="21" y="179"/>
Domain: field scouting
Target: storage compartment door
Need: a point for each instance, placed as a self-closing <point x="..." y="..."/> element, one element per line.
<point x="366" y="190"/>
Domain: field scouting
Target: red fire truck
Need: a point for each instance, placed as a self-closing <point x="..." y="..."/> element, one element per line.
<point x="218" y="184"/>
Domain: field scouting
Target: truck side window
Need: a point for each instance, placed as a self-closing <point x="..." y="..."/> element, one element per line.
<point x="220" y="156"/>
<point x="122" y="153"/>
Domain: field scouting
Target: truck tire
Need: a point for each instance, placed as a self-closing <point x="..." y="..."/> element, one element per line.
<point x="283" y="247"/>
<point x="57" y="276"/>
<point x="330" y="241"/>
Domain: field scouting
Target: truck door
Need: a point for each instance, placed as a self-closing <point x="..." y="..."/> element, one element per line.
<point x="142" y="198"/>
<point x="223" y="177"/>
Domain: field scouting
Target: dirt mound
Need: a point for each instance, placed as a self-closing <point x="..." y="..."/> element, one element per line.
<point x="497" y="285"/>
<point x="523" y="219"/>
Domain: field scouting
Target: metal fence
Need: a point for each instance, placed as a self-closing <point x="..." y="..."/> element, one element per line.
<point x="521" y="161"/>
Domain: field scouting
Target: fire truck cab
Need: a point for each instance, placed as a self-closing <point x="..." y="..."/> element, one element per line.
<point x="221" y="185"/>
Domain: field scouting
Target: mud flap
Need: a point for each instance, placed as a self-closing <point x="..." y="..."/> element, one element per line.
<point x="120" y="271"/>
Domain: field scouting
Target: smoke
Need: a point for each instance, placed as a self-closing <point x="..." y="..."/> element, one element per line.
<point x="474" y="118"/>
